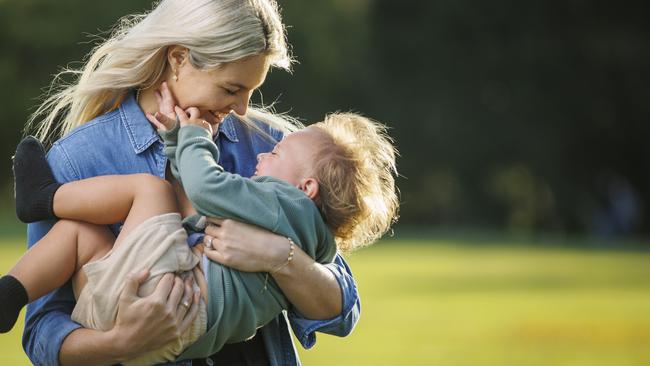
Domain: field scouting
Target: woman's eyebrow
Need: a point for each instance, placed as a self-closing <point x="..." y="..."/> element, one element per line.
<point x="237" y="85"/>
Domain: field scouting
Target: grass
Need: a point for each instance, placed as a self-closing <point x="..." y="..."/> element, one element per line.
<point x="445" y="302"/>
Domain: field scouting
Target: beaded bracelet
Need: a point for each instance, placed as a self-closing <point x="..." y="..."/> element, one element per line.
<point x="276" y="269"/>
<point x="289" y="258"/>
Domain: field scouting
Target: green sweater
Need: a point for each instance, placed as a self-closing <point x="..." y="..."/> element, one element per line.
<point x="238" y="304"/>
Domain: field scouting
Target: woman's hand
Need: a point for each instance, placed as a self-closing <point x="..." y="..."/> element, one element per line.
<point x="192" y="117"/>
<point x="147" y="323"/>
<point x="244" y="247"/>
<point x="310" y="286"/>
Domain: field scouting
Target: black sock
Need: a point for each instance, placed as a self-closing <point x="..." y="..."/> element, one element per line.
<point x="13" y="297"/>
<point x="34" y="183"/>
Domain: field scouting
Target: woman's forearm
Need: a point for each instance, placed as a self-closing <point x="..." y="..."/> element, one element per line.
<point x="142" y="323"/>
<point x="90" y="347"/>
<point x="310" y="287"/>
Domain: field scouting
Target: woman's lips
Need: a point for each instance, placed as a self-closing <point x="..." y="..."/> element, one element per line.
<point x="218" y="116"/>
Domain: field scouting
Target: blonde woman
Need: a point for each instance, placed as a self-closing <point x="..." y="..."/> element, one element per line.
<point x="212" y="54"/>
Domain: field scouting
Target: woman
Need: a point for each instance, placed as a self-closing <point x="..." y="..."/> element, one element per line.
<point x="212" y="54"/>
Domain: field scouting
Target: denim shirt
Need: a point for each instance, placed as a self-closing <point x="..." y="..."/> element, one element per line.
<point x="123" y="142"/>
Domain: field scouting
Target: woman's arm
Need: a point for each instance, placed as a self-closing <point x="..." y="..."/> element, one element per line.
<point x="311" y="287"/>
<point x="51" y="337"/>
<point x="158" y="316"/>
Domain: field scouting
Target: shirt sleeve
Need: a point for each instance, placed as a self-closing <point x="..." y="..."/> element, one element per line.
<point x="341" y="325"/>
<point x="47" y="321"/>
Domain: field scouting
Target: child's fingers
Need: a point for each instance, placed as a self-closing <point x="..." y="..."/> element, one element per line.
<point x="180" y="113"/>
<point x="157" y="124"/>
<point x="166" y="120"/>
<point x="167" y="104"/>
<point x="158" y="96"/>
<point x="193" y="112"/>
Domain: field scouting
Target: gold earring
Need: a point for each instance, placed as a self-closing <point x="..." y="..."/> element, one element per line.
<point x="175" y="77"/>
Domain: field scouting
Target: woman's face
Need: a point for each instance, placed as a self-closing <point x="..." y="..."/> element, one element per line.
<point x="219" y="91"/>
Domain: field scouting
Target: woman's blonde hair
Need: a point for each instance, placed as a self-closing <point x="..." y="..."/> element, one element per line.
<point x="355" y="169"/>
<point x="135" y="56"/>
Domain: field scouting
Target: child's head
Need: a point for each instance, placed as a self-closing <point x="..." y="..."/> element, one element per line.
<point x="346" y="165"/>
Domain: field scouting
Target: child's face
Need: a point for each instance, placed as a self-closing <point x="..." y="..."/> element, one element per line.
<point x="291" y="159"/>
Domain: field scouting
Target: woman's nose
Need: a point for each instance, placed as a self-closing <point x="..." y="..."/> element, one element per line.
<point x="241" y="105"/>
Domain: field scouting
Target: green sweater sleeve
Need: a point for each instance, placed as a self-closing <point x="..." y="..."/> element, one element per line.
<point x="217" y="193"/>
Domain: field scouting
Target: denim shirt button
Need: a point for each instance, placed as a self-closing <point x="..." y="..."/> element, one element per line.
<point x="209" y="362"/>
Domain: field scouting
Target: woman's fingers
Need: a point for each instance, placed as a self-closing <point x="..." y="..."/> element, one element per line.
<point x="191" y="313"/>
<point x="176" y="293"/>
<point x="133" y="282"/>
<point x="214" y="221"/>
<point x="212" y="230"/>
<point x="164" y="287"/>
<point x="214" y="255"/>
<point x="186" y="301"/>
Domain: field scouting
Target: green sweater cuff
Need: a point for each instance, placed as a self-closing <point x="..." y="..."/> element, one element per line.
<point x="170" y="136"/>
<point x="191" y="131"/>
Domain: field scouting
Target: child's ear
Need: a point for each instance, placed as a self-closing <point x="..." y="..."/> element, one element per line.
<point x="310" y="187"/>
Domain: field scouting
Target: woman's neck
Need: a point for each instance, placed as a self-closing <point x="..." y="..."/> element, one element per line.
<point x="147" y="100"/>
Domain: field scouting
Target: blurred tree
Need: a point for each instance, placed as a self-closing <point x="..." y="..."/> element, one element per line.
<point x="507" y="114"/>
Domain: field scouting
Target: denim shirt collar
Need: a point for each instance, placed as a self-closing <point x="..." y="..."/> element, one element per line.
<point x="227" y="127"/>
<point x="142" y="135"/>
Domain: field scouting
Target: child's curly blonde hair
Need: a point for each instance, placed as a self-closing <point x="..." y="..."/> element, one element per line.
<point x="355" y="169"/>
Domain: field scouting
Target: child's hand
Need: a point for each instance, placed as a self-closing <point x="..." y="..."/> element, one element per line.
<point x="193" y="118"/>
<point x="161" y="122"/>
<point x="165" y="118"/>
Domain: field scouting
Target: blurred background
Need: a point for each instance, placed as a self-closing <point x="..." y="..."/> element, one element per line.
<point x="522" y="127"/>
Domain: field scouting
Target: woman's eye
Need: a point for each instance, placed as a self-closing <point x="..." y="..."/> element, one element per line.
<point x="229" y="91"/>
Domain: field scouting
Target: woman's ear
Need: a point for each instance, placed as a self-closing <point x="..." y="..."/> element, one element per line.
<point x="310" y="187"/>
<point x="177" y="56"/>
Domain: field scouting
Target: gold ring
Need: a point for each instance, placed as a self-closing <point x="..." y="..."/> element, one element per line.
<point x="209" y="243"/>
<point x="186" y="304"/>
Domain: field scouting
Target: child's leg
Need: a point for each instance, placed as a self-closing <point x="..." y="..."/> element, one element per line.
<point x="98" y="200"/>
<point x="51" y="263"/>
<point x="109" y="199"/>
<point x="67" y="247"/>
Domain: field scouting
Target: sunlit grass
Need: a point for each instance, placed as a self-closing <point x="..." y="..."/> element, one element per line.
<point x="11" y="350"/>
<point x="449" y="303"/>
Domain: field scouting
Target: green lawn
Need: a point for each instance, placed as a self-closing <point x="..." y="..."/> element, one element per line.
<point x="444" y="303"/>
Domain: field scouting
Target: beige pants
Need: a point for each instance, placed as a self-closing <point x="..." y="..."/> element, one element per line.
<point x="159" y="244"/>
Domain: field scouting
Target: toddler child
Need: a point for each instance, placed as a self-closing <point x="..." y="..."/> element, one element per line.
<point x="326" y="187"/>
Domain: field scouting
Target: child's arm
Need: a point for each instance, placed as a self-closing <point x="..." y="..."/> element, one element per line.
<point x="166" y="124"/>
<point x="216" y="193"/>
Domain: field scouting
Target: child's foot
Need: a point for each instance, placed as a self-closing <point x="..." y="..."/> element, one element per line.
<point x="13" y="297"/>
<point x="34" y="183"/>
